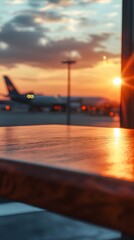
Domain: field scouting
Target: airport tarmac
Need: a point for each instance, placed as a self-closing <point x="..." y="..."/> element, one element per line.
<point x="27" y="118"/>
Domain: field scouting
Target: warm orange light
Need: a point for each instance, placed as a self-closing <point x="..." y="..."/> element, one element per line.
<point x="111" y="114"/>
<point x="83" y="108"/>
<point x="57" y="108"/>
<point x="116" y="132"/>
<point x="7" y="107"/>
<point x="117" y="81"/>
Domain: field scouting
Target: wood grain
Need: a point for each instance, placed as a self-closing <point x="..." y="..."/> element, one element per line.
<point x="92" y="198"/>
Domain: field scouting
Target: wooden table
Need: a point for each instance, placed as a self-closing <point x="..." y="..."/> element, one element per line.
<point x="82" y="172"/>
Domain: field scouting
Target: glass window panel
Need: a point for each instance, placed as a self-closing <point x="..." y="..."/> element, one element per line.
<point x="37" y="36"/>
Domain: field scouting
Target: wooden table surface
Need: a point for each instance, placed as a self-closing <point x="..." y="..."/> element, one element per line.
<point x="83" y="172"/>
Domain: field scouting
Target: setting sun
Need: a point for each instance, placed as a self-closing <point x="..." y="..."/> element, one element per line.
<point x="117" y="81"/>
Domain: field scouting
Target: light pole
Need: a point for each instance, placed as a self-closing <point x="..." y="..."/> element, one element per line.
<point x="69" y="62"/>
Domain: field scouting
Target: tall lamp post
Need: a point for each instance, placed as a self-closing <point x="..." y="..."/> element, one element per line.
<point x="69" y="62"/>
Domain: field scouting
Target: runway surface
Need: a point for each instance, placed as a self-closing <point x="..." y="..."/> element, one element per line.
<point x="27" y="118"/>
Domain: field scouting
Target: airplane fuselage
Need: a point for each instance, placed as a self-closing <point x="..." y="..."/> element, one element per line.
<point x="46" y="101"/>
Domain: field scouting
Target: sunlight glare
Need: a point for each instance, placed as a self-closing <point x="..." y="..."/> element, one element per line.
<point x="117" y="81"/>
<point x="116" y="132"/>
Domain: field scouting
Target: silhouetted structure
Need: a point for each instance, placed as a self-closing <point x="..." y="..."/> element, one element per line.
<point x="127" y="89"/>
<point x="68" y="62"/>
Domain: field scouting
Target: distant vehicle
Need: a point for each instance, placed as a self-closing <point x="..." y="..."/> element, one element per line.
<point x="101" y="108"/>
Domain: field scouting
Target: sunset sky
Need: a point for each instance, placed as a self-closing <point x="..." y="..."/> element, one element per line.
<point x="36" y="35"/>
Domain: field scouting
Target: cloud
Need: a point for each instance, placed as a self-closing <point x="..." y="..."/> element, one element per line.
<point x="48" y="16"/>
<point x="14" y="2"/>
<point x="104" y="1"/>
<point x="112" y="14"/>
<point x="94" y="1"/>
<point x="43" y="3"/>
<point x="34" y="48"/>
<point x="3" y="45"/>
<point x="35" y="3"/>
<point x="61" y="2"/>
<point x="22" y="21"/>
<point x="38" y="16"/>
<point x="74" y="19"/>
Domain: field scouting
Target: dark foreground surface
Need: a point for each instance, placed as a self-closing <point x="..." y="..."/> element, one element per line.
<point x="49" y="226"/>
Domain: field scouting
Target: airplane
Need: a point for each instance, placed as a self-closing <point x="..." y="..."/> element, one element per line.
<point x="38" y="102"/>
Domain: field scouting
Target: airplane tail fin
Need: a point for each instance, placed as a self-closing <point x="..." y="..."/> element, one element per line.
<point x="10" y="87"/>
